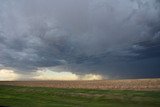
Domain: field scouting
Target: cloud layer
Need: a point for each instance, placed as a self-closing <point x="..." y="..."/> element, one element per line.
<point x="116" y="38"/>
<point x="46" y="74"/>
<point x="8" y="75"/>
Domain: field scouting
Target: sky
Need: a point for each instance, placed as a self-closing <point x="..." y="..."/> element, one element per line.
<point x="79" y="39"/>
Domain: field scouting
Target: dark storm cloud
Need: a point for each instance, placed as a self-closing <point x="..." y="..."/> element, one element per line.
<point x="119" y="38"/>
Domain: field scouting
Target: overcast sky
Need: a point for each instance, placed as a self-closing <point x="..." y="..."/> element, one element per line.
<point x="90" y="38"/>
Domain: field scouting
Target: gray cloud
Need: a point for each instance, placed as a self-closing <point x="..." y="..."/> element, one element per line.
<point x="112" y="37"/>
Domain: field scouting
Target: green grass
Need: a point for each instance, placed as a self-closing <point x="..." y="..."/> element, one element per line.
<point x="13" y="96"/>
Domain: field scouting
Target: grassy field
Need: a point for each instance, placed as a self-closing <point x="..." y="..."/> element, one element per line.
<point x="18" y="96"/>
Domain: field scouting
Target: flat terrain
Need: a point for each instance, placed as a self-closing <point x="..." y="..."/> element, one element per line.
<point x="103" y="93"/>
<point x="132" y="84"/>
<point x="18" y="96"/>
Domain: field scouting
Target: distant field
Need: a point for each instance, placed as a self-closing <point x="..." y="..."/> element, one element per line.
<point x="132" y="84"/>
<point x="18" y="96"/>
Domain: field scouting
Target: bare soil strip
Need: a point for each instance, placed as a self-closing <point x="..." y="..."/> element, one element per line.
<point x="129" y="84"/>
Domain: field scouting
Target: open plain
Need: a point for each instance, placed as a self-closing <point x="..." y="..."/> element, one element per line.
<point x="128" y="84"/>
<point x="104" y="93"/>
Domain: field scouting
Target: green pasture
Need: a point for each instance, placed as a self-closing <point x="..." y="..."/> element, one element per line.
<point x="14" y="96"/>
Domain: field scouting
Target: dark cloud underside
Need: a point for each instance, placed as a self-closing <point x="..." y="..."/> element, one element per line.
<point x="117" y="38"/>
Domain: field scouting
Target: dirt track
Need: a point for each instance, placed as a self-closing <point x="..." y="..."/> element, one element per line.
<point x="132" y="84"/>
